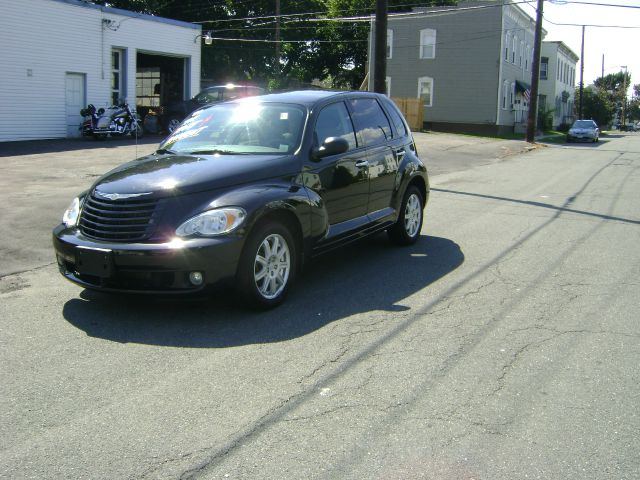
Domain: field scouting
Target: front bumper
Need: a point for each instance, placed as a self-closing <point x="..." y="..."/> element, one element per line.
<point x="145" y="267"/>
<point x="581" y="137"/>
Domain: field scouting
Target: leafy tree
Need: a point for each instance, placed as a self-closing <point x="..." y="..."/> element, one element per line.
<point x="597" y="105"/>
<point x="334" y="52"/>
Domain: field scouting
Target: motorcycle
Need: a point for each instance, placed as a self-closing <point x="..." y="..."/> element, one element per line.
<point x="118" y="120"/>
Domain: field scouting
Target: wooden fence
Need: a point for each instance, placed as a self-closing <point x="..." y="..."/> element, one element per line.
<point x="412" y="110"/>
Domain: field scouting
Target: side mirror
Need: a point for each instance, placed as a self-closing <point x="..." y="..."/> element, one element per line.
<point x="331" y="146"/>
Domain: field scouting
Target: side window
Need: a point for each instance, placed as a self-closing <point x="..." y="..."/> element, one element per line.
<point x="396" y="119"/>
<point x="334" y="121"/>
<point x="371" y="122"/>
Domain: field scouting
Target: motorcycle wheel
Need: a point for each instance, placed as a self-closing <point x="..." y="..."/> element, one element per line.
<point x="140" y="131"/>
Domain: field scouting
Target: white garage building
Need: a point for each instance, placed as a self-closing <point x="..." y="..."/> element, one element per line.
<point x="59" y="55"/>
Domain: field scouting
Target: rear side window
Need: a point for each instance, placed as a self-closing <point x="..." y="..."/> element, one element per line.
<point x="371" y="122"/>
<point x="397" y="119"/>
<point x="334" y="121"/>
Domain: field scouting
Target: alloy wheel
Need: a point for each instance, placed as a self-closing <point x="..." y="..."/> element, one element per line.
<point x="412" y="215"/>
<point x="272" y="266"/>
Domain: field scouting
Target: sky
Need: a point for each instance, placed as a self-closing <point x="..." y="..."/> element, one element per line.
<point x="619" y="46"/>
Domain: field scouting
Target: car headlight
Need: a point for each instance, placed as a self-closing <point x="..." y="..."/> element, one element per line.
<point x="212" y="222"/>
<point x="71" y="214"/>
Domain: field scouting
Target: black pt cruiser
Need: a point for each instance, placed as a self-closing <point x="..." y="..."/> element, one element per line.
<point x="245" y="191"/>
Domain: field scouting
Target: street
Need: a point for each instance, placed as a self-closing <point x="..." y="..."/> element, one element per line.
<point x="503" y="345"/>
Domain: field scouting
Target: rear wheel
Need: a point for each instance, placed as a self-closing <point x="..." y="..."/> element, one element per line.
<point x="407" y="229"/>
<point x="268" y="265"/>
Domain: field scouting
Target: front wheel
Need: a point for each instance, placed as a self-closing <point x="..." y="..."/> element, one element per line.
<point x="172" y="124"/>
<point x="268" y="265"/>
<point x="137" y="131"/>
<point x="407" y="229"/>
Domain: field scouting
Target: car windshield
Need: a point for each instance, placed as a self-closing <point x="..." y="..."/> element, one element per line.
<point x="246" y="127"/>
<point x="208" y="96"/>
<point x="583" y="124"/>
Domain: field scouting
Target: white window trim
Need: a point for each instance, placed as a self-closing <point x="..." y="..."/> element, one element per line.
<point x="390" y="43"/>
<point x="388" y="86"/>
<point x="120" y="71"/>
<point x="422" y="80"/>
<point x="432" y="35"/>
<point x="505" y="95"/>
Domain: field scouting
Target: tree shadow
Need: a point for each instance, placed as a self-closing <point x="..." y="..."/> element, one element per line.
<point x="368" y="276"/>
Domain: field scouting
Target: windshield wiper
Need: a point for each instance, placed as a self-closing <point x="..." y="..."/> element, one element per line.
<point x="217" y="151"/>
<point x="163" y="151"/>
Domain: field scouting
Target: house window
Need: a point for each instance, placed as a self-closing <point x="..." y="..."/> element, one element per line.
<point x="505" y="94"/>
<point x="425" y="90"/>
<point x="427" y="43"/>
<point x="526" y="58"/>
<point x="117" y="74"/>
<point x="558" y="74"/>
<point x="514" y="47"/>
<point x="544" y="67"/>
<point x="521" y="53"/>
<point x="512" y="94"/>
<point x="507" y="41"/>
<point x="389" y="43"/>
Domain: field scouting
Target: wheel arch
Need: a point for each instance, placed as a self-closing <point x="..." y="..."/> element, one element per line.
<point x="289" y="219"/>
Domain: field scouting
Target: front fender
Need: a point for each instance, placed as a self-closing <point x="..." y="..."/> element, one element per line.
<point x="262" y="200"/>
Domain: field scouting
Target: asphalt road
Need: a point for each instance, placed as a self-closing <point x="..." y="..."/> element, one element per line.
<point x="503" y="345"/>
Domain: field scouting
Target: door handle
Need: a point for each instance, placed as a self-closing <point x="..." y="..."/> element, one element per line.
<point x="362" y="164"/>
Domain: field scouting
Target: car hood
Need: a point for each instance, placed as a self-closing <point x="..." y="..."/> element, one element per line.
<point x="158" y="176"/>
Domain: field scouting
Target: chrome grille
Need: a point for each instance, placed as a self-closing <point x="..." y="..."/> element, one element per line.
<point x="123" y="220"/>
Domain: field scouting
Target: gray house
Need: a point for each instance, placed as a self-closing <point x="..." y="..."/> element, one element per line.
<point x="557" y="82"/>
<point x="470" y="64"/>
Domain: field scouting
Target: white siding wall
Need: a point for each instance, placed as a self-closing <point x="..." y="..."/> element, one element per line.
<point x="42" y="40"/>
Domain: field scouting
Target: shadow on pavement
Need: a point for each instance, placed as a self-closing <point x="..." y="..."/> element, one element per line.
<point x="35" y="147"/>
<point x="367" y="276"/>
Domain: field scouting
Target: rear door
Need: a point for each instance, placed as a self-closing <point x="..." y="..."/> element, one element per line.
<point x="374" y="131"/>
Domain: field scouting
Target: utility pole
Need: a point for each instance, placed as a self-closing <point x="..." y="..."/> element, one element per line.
<point x="278" y="37"/>
<point x="380" y="54"/>
<point x="624" y="93"/>
<point x="535" y="77"/>
<point x="582" y="73"/>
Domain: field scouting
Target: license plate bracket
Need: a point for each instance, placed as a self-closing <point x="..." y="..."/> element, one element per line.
<point x="95" y="262"/>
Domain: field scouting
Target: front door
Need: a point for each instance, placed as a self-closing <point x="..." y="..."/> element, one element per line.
<point x="74" y="102"/>
<point x="342" y="180"/>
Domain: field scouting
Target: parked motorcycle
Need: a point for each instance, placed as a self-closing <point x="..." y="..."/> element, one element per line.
<point x="118" y="120"/>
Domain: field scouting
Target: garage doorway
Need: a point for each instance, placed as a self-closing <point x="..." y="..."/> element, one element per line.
<point x="75" y="98"/>
<point x="160" y="81"/>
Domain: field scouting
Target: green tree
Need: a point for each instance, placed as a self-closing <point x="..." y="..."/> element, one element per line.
<point x="332" y="51"/>
<point x="597" y="105"/>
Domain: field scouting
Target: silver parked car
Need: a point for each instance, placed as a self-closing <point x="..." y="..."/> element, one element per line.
<point x="583" y="130"/>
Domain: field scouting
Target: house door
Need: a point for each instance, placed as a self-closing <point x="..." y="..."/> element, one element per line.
<point x="74" y="102"/>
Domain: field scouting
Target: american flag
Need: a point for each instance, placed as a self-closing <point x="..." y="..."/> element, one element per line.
<point x="527" y="94"/>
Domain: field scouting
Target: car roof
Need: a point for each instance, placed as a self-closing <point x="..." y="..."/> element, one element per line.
<point x="308" y="98"/>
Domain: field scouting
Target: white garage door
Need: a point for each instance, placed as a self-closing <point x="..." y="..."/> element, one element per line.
<point x="75" y="98"/>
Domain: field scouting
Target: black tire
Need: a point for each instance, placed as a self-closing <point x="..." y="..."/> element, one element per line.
<point x="140" y="131"/>
<point x="264" y="276"/>
<point x="407" y="229"/>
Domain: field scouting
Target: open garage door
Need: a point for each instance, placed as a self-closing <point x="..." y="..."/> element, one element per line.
<point x="160" y="81"/>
